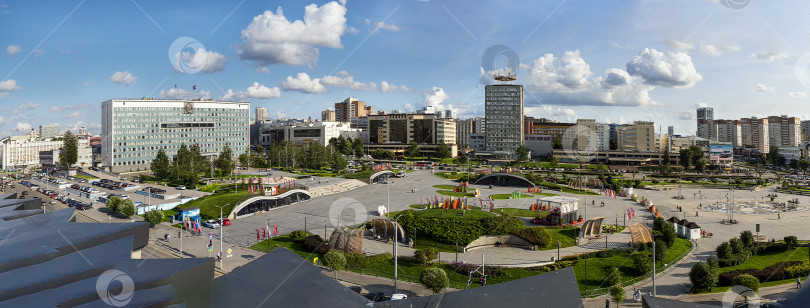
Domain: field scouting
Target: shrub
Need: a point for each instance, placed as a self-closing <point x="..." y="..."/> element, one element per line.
<point x="702" y="277"/>
<point x="614" y="276"/>
<point x="668" y="235"/>
<point x="126" y="208"/>
<point x="434" y="279"/>
<point x="723" y="250"/>
<point x="735" y="259"/>
<point x="617" y="294"/>
<point x="660" y="251"/>
<point x="747" y="238"/>
<point x="713" y="264"/>
<point x="153" y="217"/>
<point x="736" y="245"/>
<point x="798" y="270"/>
<point x="113" y="203"/>
<point x="426" y="255"/>
<point x="498" y="225"/>
<point x="659" y="223"/>
<point x="315" y="244"/>
<point x="771" y="273"/>
<point x="642" y="263"/>
<point x="535" y="236"/>
<point x="791" y="242"/>
<point x="335" y="259"/>
<point x="361" y="260"/>
<point x="299" y="235"/>
<point x="747" y="280"/>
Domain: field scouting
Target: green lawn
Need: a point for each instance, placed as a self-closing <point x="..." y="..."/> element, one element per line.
<point x="445" y="187"/>
<point x="89" y="178"/>
<point x="766" y="259"/>
<point x="565" y="235"/>
<point x="473" y="213"/>
<point x="524" y="212"/>
<point x="286" y="242"/>
<point x="454" y="194"/>
<point x="509" y="196"/>
<point x="207" y="204"/>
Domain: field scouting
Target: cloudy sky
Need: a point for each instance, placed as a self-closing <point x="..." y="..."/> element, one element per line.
<point x="615" y="61"/>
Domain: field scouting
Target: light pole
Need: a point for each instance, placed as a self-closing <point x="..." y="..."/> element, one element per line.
<point x="221" y="224"/>
<point x="394" y="224"/>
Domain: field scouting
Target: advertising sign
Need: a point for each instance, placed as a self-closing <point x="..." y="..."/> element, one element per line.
<point x="721" y="152"/>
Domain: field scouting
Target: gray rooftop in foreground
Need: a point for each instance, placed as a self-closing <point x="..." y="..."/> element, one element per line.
<point x="660" y="302"/>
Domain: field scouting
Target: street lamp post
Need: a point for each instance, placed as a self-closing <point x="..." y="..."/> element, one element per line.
<point x="221" y="224"/>
<point x="395" y="223"/>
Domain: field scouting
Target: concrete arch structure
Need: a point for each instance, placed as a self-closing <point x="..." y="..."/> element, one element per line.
<point x="374" y="178"/>
<point x="504" y="179"/>
<point x="256" y="204"/>
<point x="591" y="227"/>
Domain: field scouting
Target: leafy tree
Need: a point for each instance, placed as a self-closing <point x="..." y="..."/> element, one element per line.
<point x="426" y="255"/>
<point x="161" y="167"/>
<point x="243" y="159"/>
<point x="113" y="203"/>
<point x="614" y="276"/>
<point x="412" y="150"/>
<point x="773" y="155"/>
<point x="747" y="238"/>
<point x="522" y="154"/>
<point x="557" y="144"/>
<point x="339" y="163"/>
<point x="791" y="241"/>
<point x="702" y="277"/>
<point x="379" y="154"/>
<point x="335" y="259"/>
<point x="723" y="250"/>
<point x="126" y="208"/>
<point x="69" y="153"/>
<point x="225" y="163"/>
<point x="617" y="294"/>
<point x="736" y="245"/>
<point x="660" y="250"/>
<point x="748" y="281"/>
<point x="553" y="161"/>
<point x="642" y="262"/>
<point x="199" y="164"/>
<point x="461" y="159"/>
<point x="714" y="265"/>
<point x="153" y="217"/>
<point x="260" y="149"/>
<point x="686" y="159"/>
<point x="357" y="146"/>
<point x="442" y="151"/>
<point x="434" y="279"/>
<point x="659" y="224"/>
<point x="668" y="235"/>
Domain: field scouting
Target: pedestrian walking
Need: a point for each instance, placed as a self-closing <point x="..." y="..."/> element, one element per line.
<point x="798" y="283"/>
<point x="168" y="238"/>
<point x="607" y="303"/>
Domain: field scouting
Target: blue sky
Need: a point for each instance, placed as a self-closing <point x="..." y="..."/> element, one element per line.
<point x="615" y="61"/>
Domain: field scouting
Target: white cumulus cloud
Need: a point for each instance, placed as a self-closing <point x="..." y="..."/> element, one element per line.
<point x="273" y="39"/>
<point x="23" y="126"/>
<point x="345" y="80"/>
<point x="383" y="26"/>
<point x="232" y="96"/>
<point x="13" y="50"/>
<point x="763" y="88"/>
<point x="260" y="91"/>
<point x="674" y="69"/>
<point x="302" y="83"/>
<point x="386" y="87"/>
<point x="123" y="78"/>
<point x="684" y="47"/>
<point x="201" y="60"/>
<point x="75" y="114"/>
<point x="7" y="86"/>
<point x="797" y="94"/>
<point x="767" y="56"/>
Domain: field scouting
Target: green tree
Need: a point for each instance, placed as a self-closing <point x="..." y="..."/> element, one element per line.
<point x="686" y="159"/>
<point x="161" y="167"/>
<point x="442" y="151"/>
<point x="113" y="203"/>
<point x="702" y="277"/>
<point x="747" y="238"/>
<point x="426" y="255"/>
<point x="260" y="149"/>
<point x="379" y="154"/>
<point x="723" y="250"/>
<point x="126" y="208"/>
<point x="461" y="159"/>
<point x="434" y="279"/>
<point x="614" y="276"/>
<point x="335" y="260"/>
<point x="668" y="235"/>
<point x="660" y="251"/>
<point x="357" y="146"/>
<point x="773" y="155"/>
<point x="412" y="150"/>
<point x="556" y="144"/>
<point x="243" y="159"/>
<point x="225" y="163"/>
<point x="522" y="154"/>
<point x="339" y="163"/>
<point x="791" y="241"/>
<point x="617" y="294"/>
<point x="69" y="154"/>
<point x="736" y="245"/>
<point x="748" y="281"/>
<point x="153" y="217"/>
<point x="199" y="164"/>
<point x="642" y="263"/>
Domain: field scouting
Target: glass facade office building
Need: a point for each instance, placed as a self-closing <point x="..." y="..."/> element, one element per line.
<point x="504" y="118"/>
<point x="133" y="130"/>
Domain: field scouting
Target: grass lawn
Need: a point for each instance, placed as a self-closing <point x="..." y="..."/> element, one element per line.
<point x="509" y="196"/>
<point x="766" y="259"/>
<point x="567" y="237"/>
<point x="359" y="175"/>
<point x="473" y="213"/>
<point x="524" y="212"/>
<point x="89" y="178"/>
<point x="445" y="187"/>
<point x="286" y="242"/>
<point x="207" y="204"/>
<point x="454" y="194"/>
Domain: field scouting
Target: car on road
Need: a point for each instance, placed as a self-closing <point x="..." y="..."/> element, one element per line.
<point x="224" y="222"/>
<point x="181" y="187"/>
<point x="211" y="224"/>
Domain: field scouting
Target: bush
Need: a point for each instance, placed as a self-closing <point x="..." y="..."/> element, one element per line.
<point x="153" y="217"/>
<point x="126" y="208"/>
<point x="723" y="250"/>
<point x="735" y="259"/>
<point x="702" y="277"/>
<point x="791" y="242"/>
<point x="798" y="270"/>
<point x="617" y="294"/>
<point x="642" y="263"/>
<point x="499" y="225"/>
<point x="668" y="235"/>
<point x="314" y="244"/>
<point x="426" y="255"/>
<point x="771" y="273"/>
<point x="736" y="245"/>
<point x="113" y="203"/>
<point x="599" y="254"/>
<point x="614" y="276"/>
<point x="747" y="238"/>
<point x="434" y="279"/>
<point x="713" y="264"/>
<point x="361" y="260"/>
<point x="299" y="235"/>
<point x="747" y="280"/>
<point x="535" y="236"/>
<point x="659" y="223"/>
<point x="660" y="251"/>
<point x="335" y="259"/>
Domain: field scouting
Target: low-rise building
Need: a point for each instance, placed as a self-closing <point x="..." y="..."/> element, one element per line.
<point x="305" y="132"/>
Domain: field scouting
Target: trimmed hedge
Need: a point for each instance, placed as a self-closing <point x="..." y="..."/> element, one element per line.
<point x="770" y="273"/>
<point x="747" y="252"/>
<point x="299" y="235"/>
<point x="445" y="229"/>
<point x="535" y="236"/>
<point x="607" y="253"/>
<point x="361" y="260"/>
<point x="315" y="244"/>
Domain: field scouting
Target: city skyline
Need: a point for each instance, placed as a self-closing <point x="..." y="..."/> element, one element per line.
<point x="391" y="56"/>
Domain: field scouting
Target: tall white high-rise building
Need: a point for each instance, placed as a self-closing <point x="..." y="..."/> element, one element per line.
<point x="705" y="123"/>
<point x="262" y="115"/>
<point x="133" y="130"/>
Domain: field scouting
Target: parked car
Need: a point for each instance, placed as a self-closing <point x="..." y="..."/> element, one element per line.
<point x="211" y="224"/>
<point x="398" y="296"/>
<point x="181" y="187"/>
<point x="224" y="222"/>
